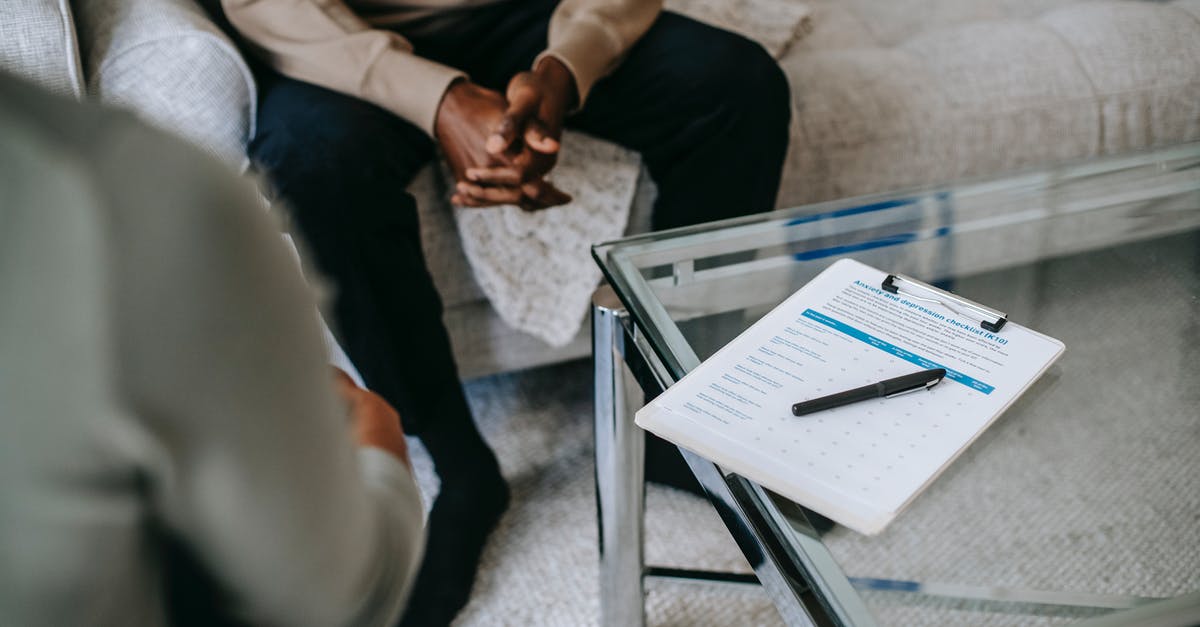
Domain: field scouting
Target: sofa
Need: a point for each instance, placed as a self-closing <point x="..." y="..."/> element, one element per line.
<point x="887" y="94"/>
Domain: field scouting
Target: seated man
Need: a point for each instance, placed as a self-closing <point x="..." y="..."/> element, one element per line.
<point x="172" y="450"/>
<point x="362" y="91"/>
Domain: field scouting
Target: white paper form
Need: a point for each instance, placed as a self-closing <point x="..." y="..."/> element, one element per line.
<point x="869" y="459"/>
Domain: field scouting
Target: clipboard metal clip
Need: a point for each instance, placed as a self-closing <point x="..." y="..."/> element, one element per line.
<point x="989" y="318"/>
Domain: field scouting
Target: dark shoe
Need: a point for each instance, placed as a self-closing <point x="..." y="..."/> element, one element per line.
<point x="463" y="515"/>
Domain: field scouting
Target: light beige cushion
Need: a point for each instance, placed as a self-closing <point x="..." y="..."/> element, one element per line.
<point x="1143" y="61"/>
<point x="776" y="24"/>
<point x="165" y="60"/>
<point x="891" y="100"/>
<point x="37" y="42"/>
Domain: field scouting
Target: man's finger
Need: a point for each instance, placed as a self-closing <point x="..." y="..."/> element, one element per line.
<point x="542" y="194"/>
<point x="462" y="200"/>
<point x="494" y="195"/>
<point x="343" y="380"/>
<point x="495" y="176"/>
<point x="523" y="101"/>
<point x="539" y="138"/>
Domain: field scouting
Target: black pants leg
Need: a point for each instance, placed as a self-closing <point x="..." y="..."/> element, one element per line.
<point x="709" y="112"/>
<point x="707" y="109"/>
<point x="341" y="166"/>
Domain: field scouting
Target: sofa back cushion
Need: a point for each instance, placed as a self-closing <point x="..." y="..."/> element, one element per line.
<point x="892" y="94"/>
<point x="37" y="42"/>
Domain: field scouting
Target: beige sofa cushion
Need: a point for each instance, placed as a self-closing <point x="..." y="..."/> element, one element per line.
<point x="776" y="24"/>
<point x="906" y="92"/>
<point x="165" y="60"/>
<point x="37" y="42"/>
<point x="1143" y="61"/>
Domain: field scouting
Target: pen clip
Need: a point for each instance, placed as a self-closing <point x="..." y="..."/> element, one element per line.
<point x="928" y="385"/>
<point x="990" y="319"/>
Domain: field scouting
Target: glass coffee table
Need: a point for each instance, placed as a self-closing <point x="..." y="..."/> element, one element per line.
<point x="1081" y="503"/>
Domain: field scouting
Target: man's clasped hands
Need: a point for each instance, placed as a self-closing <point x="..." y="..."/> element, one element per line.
<point x="501" y="147"/>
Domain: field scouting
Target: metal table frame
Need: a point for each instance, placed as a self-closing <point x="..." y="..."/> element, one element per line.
<point x="790" y="561"/>
<point x="625" y="368"/>
<point x="807" y="586"/>
<point x="793" y="565"/>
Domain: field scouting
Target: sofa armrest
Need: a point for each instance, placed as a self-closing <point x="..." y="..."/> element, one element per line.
<point x="37" y="42"/>
<point x="166" y="61"/>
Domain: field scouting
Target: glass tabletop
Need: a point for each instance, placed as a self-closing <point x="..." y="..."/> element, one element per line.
<point x="1084" y="497"/>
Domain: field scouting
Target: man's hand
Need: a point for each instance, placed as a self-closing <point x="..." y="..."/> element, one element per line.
<point x="467" y="117"/>
<point x="528" y="135"/>
<point x="375" y="423"/>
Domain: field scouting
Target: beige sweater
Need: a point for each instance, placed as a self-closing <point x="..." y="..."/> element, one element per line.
<point x="327" y="43"/>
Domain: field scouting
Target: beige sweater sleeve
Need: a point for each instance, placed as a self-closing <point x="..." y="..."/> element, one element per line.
<point x="591" y="36"/>
<point x="325" y="43"/>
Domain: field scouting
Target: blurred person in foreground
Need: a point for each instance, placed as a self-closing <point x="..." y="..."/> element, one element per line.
<point x="174" y="448"/>
<point x="358" y="95"/>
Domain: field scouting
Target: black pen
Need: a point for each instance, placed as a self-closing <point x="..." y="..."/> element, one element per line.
<point x="925" y="379"/>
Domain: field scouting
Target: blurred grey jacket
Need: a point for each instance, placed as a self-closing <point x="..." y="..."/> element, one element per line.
<point x="162" y="375"/>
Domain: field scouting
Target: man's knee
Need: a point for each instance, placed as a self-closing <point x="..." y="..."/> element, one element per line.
<point x="769" y="84"/>
<point x="752" y="84"/>
<point x="726" y="73"/>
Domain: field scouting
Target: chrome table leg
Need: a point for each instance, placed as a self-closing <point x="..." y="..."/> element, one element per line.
<point x="620" y="486"/>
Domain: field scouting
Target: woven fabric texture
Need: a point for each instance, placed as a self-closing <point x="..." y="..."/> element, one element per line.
<point x="37" y="42"/>
<point x="536" y="267"/>
<point x="166" y="61"/>
<point x="907" y="92"/>
<point x="774" y="24"/>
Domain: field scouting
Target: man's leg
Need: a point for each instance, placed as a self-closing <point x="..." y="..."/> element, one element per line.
<point x="707" y="109"/>
<point x="342" y="166"/>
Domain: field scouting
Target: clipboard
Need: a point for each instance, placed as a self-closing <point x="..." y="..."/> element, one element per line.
<point x="852" y="325"/>
<point x="990" y="319"/>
